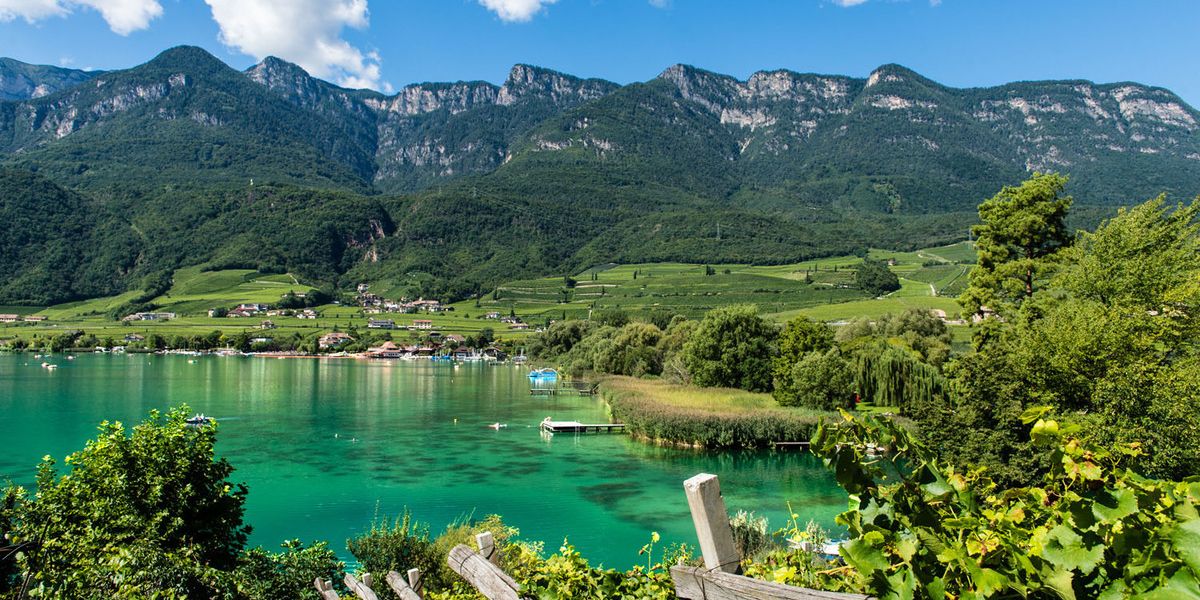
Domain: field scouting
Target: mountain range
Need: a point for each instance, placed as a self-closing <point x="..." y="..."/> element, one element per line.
<point x="449" y="187"/>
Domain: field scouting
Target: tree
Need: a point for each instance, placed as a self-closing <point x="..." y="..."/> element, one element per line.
<point x="142" y="514"/>
<point x="820" y="380"/>
<point x="1022" y="228"/>
<point x="1117" y="358"/>
<point x="634" y="351"/>
<point x="732" y="347"/>
<point x="874" y="277"/>
<point x="799" y="337"/>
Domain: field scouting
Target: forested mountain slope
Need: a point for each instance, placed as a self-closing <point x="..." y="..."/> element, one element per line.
<point x="184" y="160"/>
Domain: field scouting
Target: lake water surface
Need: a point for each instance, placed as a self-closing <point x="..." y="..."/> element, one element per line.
<point x="326" y="445"/>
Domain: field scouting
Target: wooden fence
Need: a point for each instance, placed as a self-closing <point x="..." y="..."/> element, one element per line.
<point x="719" y="579"/>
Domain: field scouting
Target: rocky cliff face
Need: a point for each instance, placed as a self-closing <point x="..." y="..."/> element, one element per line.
<point x="807" y="136"/>
<point x="22" y="81"/>
<point x="791" y="127"/>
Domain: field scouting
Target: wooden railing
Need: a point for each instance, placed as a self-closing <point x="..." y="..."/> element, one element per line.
<point x="719" y="579"/>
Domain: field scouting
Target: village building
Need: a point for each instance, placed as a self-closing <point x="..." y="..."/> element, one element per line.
<point x="307" y="313"/>
<point x="381" y="324"/>
<point x="9" y="318"/>
<point x="519" y="326"/>
<point x="34" y="318"/>
<point x="267" y="325"/>
<point x="492" y="315"/>
<point x="150" y="316"/>
<point x="334" y="339"/>
<point x="422" y="324"/>
<point x="387" y="349"/>
<point x="134" y="337"/>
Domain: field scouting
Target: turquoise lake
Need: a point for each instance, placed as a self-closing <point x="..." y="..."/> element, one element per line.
<point x="326" y="445"/>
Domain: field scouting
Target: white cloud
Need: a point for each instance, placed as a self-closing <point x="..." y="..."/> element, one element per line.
<point x="849" y="2"/>
<point x="660" y="3"/>
<point x="516" y="10"/>
<point x="306" y="32"/>
<point x="123" y="16"/>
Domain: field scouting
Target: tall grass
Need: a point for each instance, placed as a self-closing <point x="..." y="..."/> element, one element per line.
<point x="706" y="417"/>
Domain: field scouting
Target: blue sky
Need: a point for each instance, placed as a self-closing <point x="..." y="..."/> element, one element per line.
<point x="385" y="45"/>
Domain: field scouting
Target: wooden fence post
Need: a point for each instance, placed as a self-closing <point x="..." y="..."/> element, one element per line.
<point x="361" y="590"/>
<point x="402" y="589"/>
<point x="325" y="589"/>
<point x="414" y="580"/>
<point x="487" y="547"/>
<point x="712" y="523"/>
<point x="484" y="576"/>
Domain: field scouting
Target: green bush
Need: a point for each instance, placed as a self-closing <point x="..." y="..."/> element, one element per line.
<point x="152" y="512"/>
<point x="287" y="575"/>
<point x="399" y="545"/>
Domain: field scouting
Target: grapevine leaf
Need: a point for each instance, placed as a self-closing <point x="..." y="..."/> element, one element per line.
<point x="1186" y="540"/>
<point x="1067" y="550"/>
<point x="1114" y="505"/>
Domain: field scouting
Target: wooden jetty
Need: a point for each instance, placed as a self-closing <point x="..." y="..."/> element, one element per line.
<point x="577" y="427"/>
<point x="582" y="388"/>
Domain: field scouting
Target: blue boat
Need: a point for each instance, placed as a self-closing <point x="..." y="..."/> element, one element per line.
<point x="543" y="374"/>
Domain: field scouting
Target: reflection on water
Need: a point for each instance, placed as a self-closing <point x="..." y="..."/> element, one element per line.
<point x="326" y="445"/>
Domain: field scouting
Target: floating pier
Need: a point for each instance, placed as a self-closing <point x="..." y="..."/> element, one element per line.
<point x="577" y="427"/>
<point x="582" y="388"/>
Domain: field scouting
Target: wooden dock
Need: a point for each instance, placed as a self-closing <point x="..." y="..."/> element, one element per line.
<point x="577" y="427"/>
<point x="582" y="388"/>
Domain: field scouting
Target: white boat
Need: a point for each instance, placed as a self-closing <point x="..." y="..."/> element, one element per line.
<point x="198" y="420"/>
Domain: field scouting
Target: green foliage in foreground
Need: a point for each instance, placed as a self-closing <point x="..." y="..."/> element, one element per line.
<point x="1090" y="529"/>
<point x="148" y="511"/>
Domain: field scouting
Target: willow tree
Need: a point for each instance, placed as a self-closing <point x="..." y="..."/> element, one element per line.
<point x="1021" y="229"/>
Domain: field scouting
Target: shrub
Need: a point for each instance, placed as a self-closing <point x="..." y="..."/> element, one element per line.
<point x="286" y="575"/>
<point x="138" y="515"/>
<point x="398" y="546"/>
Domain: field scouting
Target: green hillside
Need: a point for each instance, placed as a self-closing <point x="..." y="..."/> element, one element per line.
<point x="451" y="189"/>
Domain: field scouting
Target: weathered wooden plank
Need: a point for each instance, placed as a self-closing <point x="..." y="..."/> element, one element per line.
<point x="487" y="547"/>
<point x="359" y="588"/>
<point x="401" y="587"/>
<point x="693" y="583"/>
<point x="712" y="523"/>
<point x="325" y="589"/>
<point x="483" y="575"/>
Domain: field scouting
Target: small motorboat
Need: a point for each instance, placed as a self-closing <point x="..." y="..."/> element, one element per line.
<point x="198" y="420"/>
<point x="498" y="426"/>
<point x="546" y="373"/>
